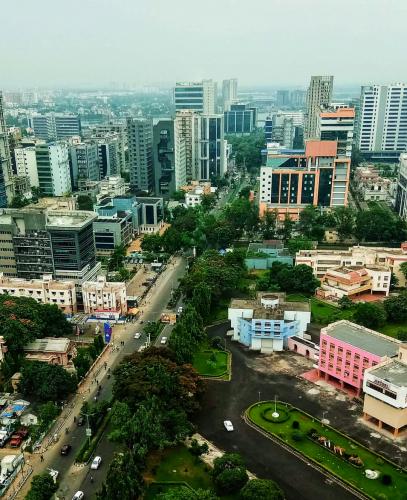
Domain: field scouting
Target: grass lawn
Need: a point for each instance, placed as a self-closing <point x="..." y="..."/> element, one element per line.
<point x="176" y="465"/>
<point x="334" y="463"/>
<point x="323" y="313"/>
<point x="391" y="329"/>
<point x="208" y="367"/>
<point x="297" y="297"/>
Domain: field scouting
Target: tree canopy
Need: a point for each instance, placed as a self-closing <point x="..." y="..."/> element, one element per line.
<point x="261" y="488"/>
<point x="42" y="487"/>
<point x="369" y="315"/>
<point x="46" y="382"/>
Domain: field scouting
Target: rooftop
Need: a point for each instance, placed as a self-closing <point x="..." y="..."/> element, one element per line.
<point x="72" y="219"/>
<point x="393" y="372"/>
<point x="320" y="148"/>
<point x="363" y="338"/>
<point x="48" y="344"/>
<point x="339" y="113"/>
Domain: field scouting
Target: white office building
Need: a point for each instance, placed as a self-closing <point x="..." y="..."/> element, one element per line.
<point x="383" y="118"/>
<point x="319" y="96"/>
<point x="26" y="164"/>
<point x="229" y="93"/>
<point x="54" y="177"/>
<point x="197" y="96"/>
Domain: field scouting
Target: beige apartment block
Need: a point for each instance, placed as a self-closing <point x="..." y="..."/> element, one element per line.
<point x="101" y="296"/>
<point x="45" y="291"/>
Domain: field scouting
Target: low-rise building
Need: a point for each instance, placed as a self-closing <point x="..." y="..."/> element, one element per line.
<point x="370" y="185"/>
<point x="112" y="186"/>
<point x="193" y="197"/>
<point x="262" y="255"/>
<point x="265" y="324"/>
<point x="45" y="291"/>
<point x="51" y="350"/>
<point x="104" y="299"/>
<point x="385" y="388"/>
<point x="322" y="260"/>
<point x="111" y="232"/>
<point x="304" y="347"/>
<point x="347" y="349"/>
<point x="353" y="281"/>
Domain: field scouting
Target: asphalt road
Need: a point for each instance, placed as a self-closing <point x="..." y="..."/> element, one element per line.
<point x="266" y="459"/>
<point x="72" y="478"/>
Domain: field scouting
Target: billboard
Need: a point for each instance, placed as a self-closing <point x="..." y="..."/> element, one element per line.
<point x="107" y="331"/>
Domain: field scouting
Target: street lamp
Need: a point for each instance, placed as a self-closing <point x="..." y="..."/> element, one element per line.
<point x="259" y="396"/>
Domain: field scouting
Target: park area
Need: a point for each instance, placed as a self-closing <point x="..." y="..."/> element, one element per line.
<point x="363" y="469"/>
<point x="212" y="363"/>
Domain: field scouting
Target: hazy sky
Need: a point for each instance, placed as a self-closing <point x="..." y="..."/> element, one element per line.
<point x="266" y="42"/>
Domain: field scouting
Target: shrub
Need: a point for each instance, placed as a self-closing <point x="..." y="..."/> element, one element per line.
<point x="295" y="424"/>
<point x="297" y="436"/>
<point x="386" y="479"/>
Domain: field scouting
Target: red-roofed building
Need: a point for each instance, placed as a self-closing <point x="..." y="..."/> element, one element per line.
<point x="314" y="149"/>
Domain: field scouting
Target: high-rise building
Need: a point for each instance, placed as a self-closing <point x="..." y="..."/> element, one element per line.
<point x="318" y="177"/>
<point x="84" y="163"/>
<point x="41" y="241"/>
<point x="188" y="123"/>
<point x="26" y="163"/>
<point x="140" y="143"/>
<point x="169" y="156"/>
<point x="113" y="127"/>
<point x="54" y="176"/>
<point x="6" y="186"/>
<point x="240" y="119"/>
<point x="283" y="98"/>
<point x="382" y="122"/>
<point x="297" y="98"/>
<point x="212" y="147"/>
<point x="229" y="93"/>
<point x="108" y="155"/>
<point x="283" y="130"/>
<point x="319" y="96"/>
<point x="55" y="126"/>
<point x="197" y="96"/>
<point x="337" y="125"/>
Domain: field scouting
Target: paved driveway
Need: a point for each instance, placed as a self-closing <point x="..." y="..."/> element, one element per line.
<point x="253" y="374"/>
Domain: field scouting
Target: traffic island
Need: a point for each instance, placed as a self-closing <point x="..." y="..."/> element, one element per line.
<point x="364" y="470"/>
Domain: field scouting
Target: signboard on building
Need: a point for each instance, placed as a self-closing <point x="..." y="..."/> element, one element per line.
<point x="169" y="317"/>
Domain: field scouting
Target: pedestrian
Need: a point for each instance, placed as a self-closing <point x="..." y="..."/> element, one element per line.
<point x="91" y="479"/>
<point x="42" y="458"/>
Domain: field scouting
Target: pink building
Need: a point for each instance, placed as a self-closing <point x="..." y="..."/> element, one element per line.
<point x="303" y="347"/>
<point x="347" y="349"/>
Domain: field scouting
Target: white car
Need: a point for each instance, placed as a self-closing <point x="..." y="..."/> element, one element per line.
<point x="180" y="309"/>
<point x="137" y="335"/>
<point x="164" y="340"/>
<point x="228" y="425"/>
<point x="78" y="495"/>
<point x="96" y="463"/>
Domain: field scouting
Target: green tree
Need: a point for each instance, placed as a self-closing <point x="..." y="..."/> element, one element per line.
<point x="403" y="269"/>
<point x="402" y="335"/>
<point x="54" y="321"/>
<point x="345" y="303"/>
<point x="42" y="487"/>
<point x="84" y="202"/>
<point x="345" y="220"/>
<point x="197" y="449"/>
<point x="124" y="480"/>
<point x="201" y="299"/>
<point x="369" y="315"/>
<point x="151" y="243"/>
<point x="19" y="201"/>
<point x="178" y="195"/>
<point x="396" y="308"/>
<point x="261" y="488"/>
<point x="46" y="382"/>
<point x="208" y="201"/>
<point x="268" y="225"/>
<point x="231" y="481"/>
<point x="82" y="361"/>
<point x="299" y="243"/>
<point x="117" y="258"/>
<point x="227" y="461"/>
<point x="287" y="228"/>
<point x="311" y="223"/>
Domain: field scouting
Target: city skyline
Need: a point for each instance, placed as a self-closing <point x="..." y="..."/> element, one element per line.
<point x="137" y="44"/>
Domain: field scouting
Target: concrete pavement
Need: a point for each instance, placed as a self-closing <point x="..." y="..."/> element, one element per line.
<point x="71" y="476"/>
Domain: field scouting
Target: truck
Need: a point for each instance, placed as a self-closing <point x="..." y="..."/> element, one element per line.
<point x="5" y="434"/>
